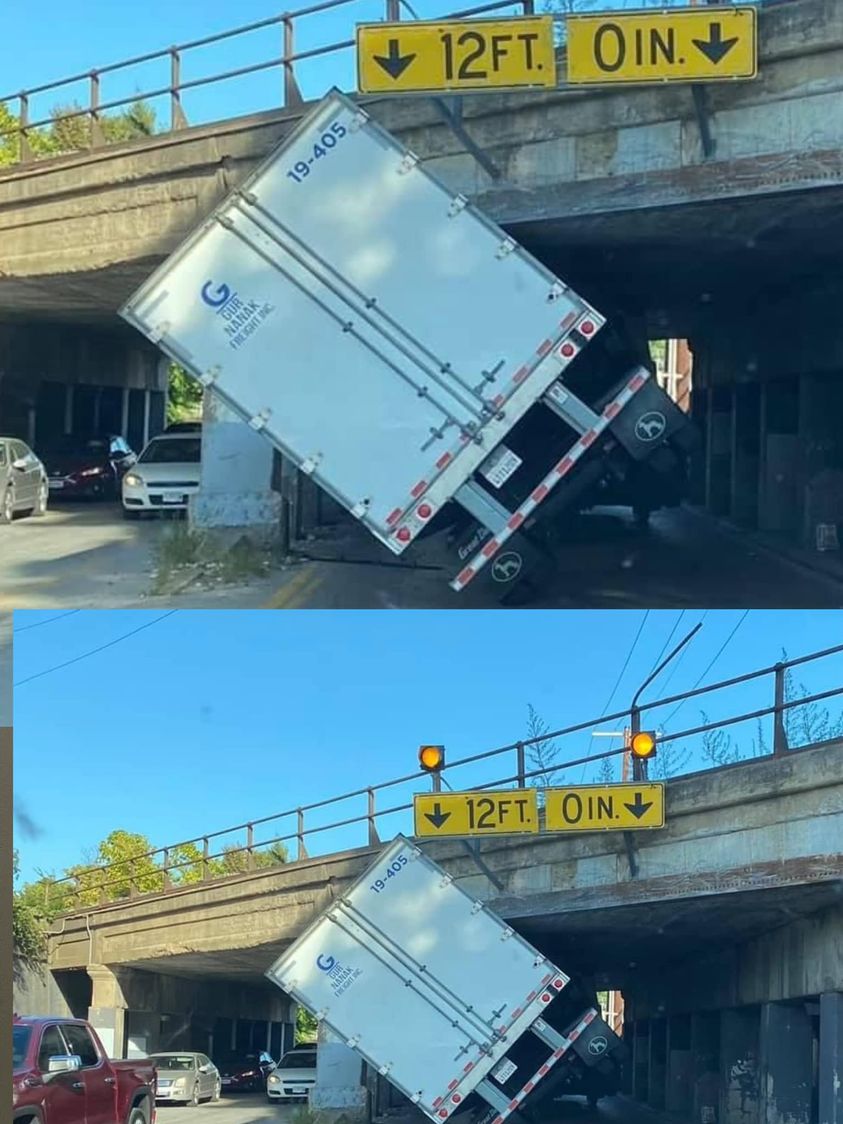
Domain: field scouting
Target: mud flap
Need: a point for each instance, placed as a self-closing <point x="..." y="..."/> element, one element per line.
<point x="649" y="421"/>
<point x="519" y="568"/>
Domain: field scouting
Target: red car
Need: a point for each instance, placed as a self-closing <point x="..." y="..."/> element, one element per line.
<point x="90" y="465"/>
<point x="61" y="1075"/>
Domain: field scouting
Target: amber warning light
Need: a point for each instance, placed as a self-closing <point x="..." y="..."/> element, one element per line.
<point x="643" y="744"/>
<point x="431" y="758"/>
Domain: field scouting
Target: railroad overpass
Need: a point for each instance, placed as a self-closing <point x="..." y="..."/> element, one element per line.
<point x="714" y="215"/>
<point x="722" y="930"/>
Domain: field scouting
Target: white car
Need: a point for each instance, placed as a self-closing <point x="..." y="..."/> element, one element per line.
<point x="166" y="474"/>
<point x="294" y="1076"/>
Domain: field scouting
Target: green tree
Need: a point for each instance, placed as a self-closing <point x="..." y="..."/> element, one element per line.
<point x="306" y="1026"/>
<point x="184" y="396"/>
<point x="29" y="944"/>
<point x="71" y="131"/>
<point x="544" y="754"/>
<point x="235" y="860"/>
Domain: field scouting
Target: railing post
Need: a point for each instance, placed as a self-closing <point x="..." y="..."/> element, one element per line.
<point x="393" y="11"/>
<point x="779" y="733"/>
<point x="302" y="850"/>
<point x="292" y="93"/>
<point x="520" y="767"/>
<point x="177" y="117"/>
<point x="165" y="870"/>
<point x="204" y="858"/>
<point x="374" y="839"/>
<point x="96" y="130"/>
<point x="250" y="840"/>
<point x="25" y="151"/>
<point x="529" y="7"/>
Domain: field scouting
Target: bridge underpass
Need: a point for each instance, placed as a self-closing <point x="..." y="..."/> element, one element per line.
<point x="725" y="943"/>
<point x="719" y="221"/>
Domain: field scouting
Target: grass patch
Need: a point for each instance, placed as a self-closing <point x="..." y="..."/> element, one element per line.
<point x="183" y="556"/>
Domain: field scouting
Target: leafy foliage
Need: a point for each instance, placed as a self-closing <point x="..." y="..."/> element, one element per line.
<point x="306" y="1026"/>
<point x="29" y="947"/>
<point x="122" y="865"/>
<point x="70" y="133"/>
<point x="544" y="754"/>
<point x="184" y="397"/>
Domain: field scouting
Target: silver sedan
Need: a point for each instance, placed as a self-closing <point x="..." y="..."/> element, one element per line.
<point x="185" y="1077"/>
<point x="23" y="480"/>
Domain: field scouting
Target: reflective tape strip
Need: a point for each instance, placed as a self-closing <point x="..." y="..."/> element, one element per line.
<point x="541" y="491"/>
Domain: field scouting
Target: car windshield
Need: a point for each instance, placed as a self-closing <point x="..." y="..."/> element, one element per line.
<point x="299" y="1059"/>
<point x="80" y="446"/>
<point x="173" y="1061"/>
<point x="169" y="450"/>
<point x="20" y="1042"/>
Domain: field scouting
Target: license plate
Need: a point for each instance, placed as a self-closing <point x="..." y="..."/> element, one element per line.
<point x="172" y="497"/>
<point x="299" y="1091"/>
<point x="504" y="1071"/>
<point x="500" y="465"/>
<point x="226" y="1080"/>
<point x="56" y="483"/>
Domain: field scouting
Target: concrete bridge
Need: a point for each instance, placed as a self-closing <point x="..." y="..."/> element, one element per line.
<point x="725" y="941"/>
<point x="716" y="216"/>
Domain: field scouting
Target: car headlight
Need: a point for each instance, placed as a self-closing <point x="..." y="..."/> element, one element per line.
<point x="274" y="1080"/>
<point x="132" y="479"/>
<point x="98" y="470"/>
<point x="179" y="1083"/>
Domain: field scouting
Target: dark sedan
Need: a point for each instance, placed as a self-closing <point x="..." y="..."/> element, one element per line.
<point x="247" y="1071"/>
<point x="91" y="465"/>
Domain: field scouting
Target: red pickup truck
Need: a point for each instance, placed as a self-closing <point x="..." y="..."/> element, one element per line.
<point x="61" y="1075"/>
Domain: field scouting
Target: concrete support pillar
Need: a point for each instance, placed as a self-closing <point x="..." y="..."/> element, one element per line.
<point x="831" y="1058"/>
<point x="739" y="1066"/>
<point x="678" y="1085"/>
<point x="641" y="1059"/>
<point x="658" y="1063"/>
<point x="338" y="1092"/>
<point x="235" y="495"/>
<point x="705" y="1053"/>
<point x="786" y="1069"/>
<point x="107" y="1013"/>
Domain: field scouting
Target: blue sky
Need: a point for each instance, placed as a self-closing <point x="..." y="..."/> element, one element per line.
<point x="207" y="719"/>
<point x="48" y="46"/>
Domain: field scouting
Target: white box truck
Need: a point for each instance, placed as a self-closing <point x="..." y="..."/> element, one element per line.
<point x="398" y="347"/>
<point x="443" y="998"/>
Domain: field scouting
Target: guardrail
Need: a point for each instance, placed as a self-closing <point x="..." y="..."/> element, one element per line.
<point x="286" y="60"/>
<point x="195" y="860"/>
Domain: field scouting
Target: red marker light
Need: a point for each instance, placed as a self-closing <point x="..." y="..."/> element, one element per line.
<point x="424" y="511"/>
<point x="403" y="535"/>
<point x="587" y="327"/>
<point x="567" y="349"/>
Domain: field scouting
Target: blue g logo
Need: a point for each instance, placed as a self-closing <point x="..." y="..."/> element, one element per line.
<point x="326" y="963"/>
<point x="219" y="298"/>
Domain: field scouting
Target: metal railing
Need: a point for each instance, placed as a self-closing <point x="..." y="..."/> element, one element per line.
<point x="285" y="60"/>
<point x="194" y="860"/>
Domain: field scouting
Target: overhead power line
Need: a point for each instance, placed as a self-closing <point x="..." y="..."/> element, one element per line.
<point x="49" y="620"/>
<point x="93" y="651"/>
<point x="717" y="656"/>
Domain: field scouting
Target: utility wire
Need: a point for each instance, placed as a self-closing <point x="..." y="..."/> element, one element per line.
<point x="49" y="620"/>
<point x="620" y="677"/>
<point x="93" y="651"/>
<point x="720" y="652"/>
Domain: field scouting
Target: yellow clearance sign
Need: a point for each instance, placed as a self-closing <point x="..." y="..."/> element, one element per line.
<point x="476" y="813"/>
<point x="455" y="55"/>
<point x="684" y="45"/>
<point x="609" y="807"/>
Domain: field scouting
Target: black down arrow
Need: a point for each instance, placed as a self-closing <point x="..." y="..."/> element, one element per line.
<point x="715" y="48"/>
<point x="437" y="817"/>
<point x="394" y="64"/>
<point x="639" y="807"/>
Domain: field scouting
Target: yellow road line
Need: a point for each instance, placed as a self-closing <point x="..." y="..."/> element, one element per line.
<point x="293" y="595"/>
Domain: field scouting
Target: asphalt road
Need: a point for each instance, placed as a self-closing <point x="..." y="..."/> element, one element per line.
<point x="240" y="1108"/>
<point x="86" y="556"/>
<point x="249" y="1108"/>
